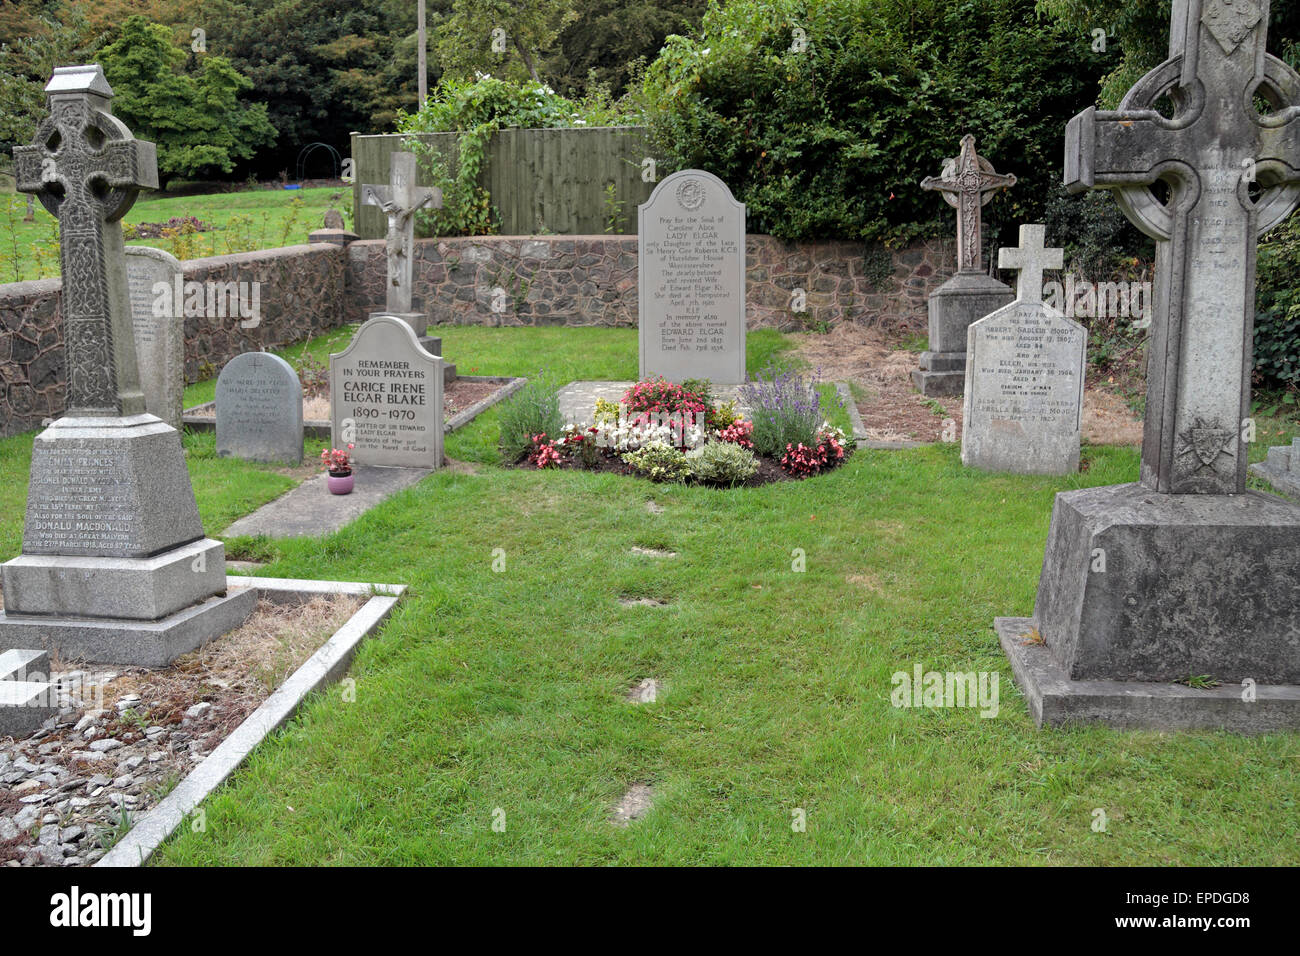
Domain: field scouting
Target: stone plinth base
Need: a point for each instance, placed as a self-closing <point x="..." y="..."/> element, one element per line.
<point x="963" y="299"/>
<point x="142" y="643"/>
<point x="1150" y="587"/>
<point x="1055" y="700"/>
<point x="1140" y="590"/>
<point x="140" y="589"/>
<point x="941" y="373"/>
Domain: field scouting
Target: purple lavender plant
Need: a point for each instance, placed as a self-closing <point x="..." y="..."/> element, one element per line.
<point x="786" y="408"/>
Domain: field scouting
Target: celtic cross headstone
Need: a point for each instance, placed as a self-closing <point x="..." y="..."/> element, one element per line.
<point x="1185" y="572"/>
<point x="115" y="566"/>
<point x="1209" y="154"/>
<point x="968" y="182"/>
<point x="87" y="170"/>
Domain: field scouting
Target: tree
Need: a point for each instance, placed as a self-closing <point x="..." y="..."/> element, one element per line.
<point x="32" y="43"/>
<point x="482" y="35"/>
<point x="196" y="118"/>
<point x="325" y="68"/>
<point x="1136" y="34"/>
<point x="607" y="40"/>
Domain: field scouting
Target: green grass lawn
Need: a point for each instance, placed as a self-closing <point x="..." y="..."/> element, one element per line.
<point x="499" y="696"/>
<point x="246" y="220"/>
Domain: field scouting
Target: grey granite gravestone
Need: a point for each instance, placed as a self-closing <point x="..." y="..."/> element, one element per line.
<point x="154" y="280"/>
<point x="115" y="566"/>
<point x="1023" y="408"/>
<point x="259" y="409"/>
<point x="400" y="200"/>
<point x="967" y="183"/>
<point x="1282" y="468"/>
<point x="691" y="280"/>
<point x="1186" y="573"/>
<point x="386" y="397"/>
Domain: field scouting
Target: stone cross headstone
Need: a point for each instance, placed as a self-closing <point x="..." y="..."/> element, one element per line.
<point x="399" y="201"/>
<point x="386" y="397"/>
<point x="1023" y="409"/>
<point x="87" y="171"/>
<point x="115" y="566"/>
<point x="259" y="409"/>
<point x="1211" y="152"/>
<point x="691" y="278"/>
<point x="158" y="321"/>
<point x="1185" y="572"/>
<point x="968" y="182"/>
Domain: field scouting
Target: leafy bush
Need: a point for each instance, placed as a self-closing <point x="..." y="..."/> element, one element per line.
<point x="659" y="461"/>
<point x="834" y="139"/>
<point x="1277" y="320"/>
<point x="722" y="463"/>
<point x="533" y="410"/>
<point x="786" y="410"/>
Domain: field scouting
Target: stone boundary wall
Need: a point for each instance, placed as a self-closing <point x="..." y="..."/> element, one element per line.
<point x="302" y="292"/>
<point x="531" y="280"/>
<point x="592" y="280"/>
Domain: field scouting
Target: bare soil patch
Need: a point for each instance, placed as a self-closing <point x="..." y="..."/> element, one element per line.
<point x="876" y="361"/>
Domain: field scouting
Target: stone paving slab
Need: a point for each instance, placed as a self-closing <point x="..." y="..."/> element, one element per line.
<point x="310" y="510"/>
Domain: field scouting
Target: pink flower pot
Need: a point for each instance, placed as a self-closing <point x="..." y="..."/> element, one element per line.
<point x="339" y="484"/>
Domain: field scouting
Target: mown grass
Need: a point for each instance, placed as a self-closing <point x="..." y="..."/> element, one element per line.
<point x="498" y="696"/>
<point x="245" y="220"/>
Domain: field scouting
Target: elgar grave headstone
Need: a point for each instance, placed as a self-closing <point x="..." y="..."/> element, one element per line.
<point x="691" y="277"/>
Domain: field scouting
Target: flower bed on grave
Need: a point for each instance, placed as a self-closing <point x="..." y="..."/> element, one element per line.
<point x="678" y="433"/>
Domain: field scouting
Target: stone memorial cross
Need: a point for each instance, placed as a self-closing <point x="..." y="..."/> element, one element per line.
<point x="1209" y="154"/>
<point x="399" y="201"/>
<point x="1030" y="259"/>
<point x="968" y="182"/>
<point x="87" y="170"/>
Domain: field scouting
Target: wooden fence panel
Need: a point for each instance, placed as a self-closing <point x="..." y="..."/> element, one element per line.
<point x="542" y="181"/>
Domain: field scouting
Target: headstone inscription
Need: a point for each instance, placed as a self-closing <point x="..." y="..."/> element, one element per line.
<point x="386" y="397"/>
<point x="158" y="323"/>
<point x="968" y="183"/>
<point x="115" y="566"/>
<point x="399" y="201"/>
<point x="1185" y="572"/>
<point x="259" y="409"/>
<point x="1023" y="409"/>
<point x="691" y="277"/>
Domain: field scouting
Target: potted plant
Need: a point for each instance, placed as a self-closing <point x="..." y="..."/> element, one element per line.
<point x="338" y="461"/>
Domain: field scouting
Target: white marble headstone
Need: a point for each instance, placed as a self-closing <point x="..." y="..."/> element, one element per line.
<point x="386" y="397"/>
<point x="1023" y="408"/>
<point x="691" y="259"/>
<point x="157" y="318"/>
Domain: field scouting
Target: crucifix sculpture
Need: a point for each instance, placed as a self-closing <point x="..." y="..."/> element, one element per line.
<point x="1208" y="154"/>
<point x="968" y="182"/>
<point x="87" y="170"/>
<point x="399" y="201"/>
